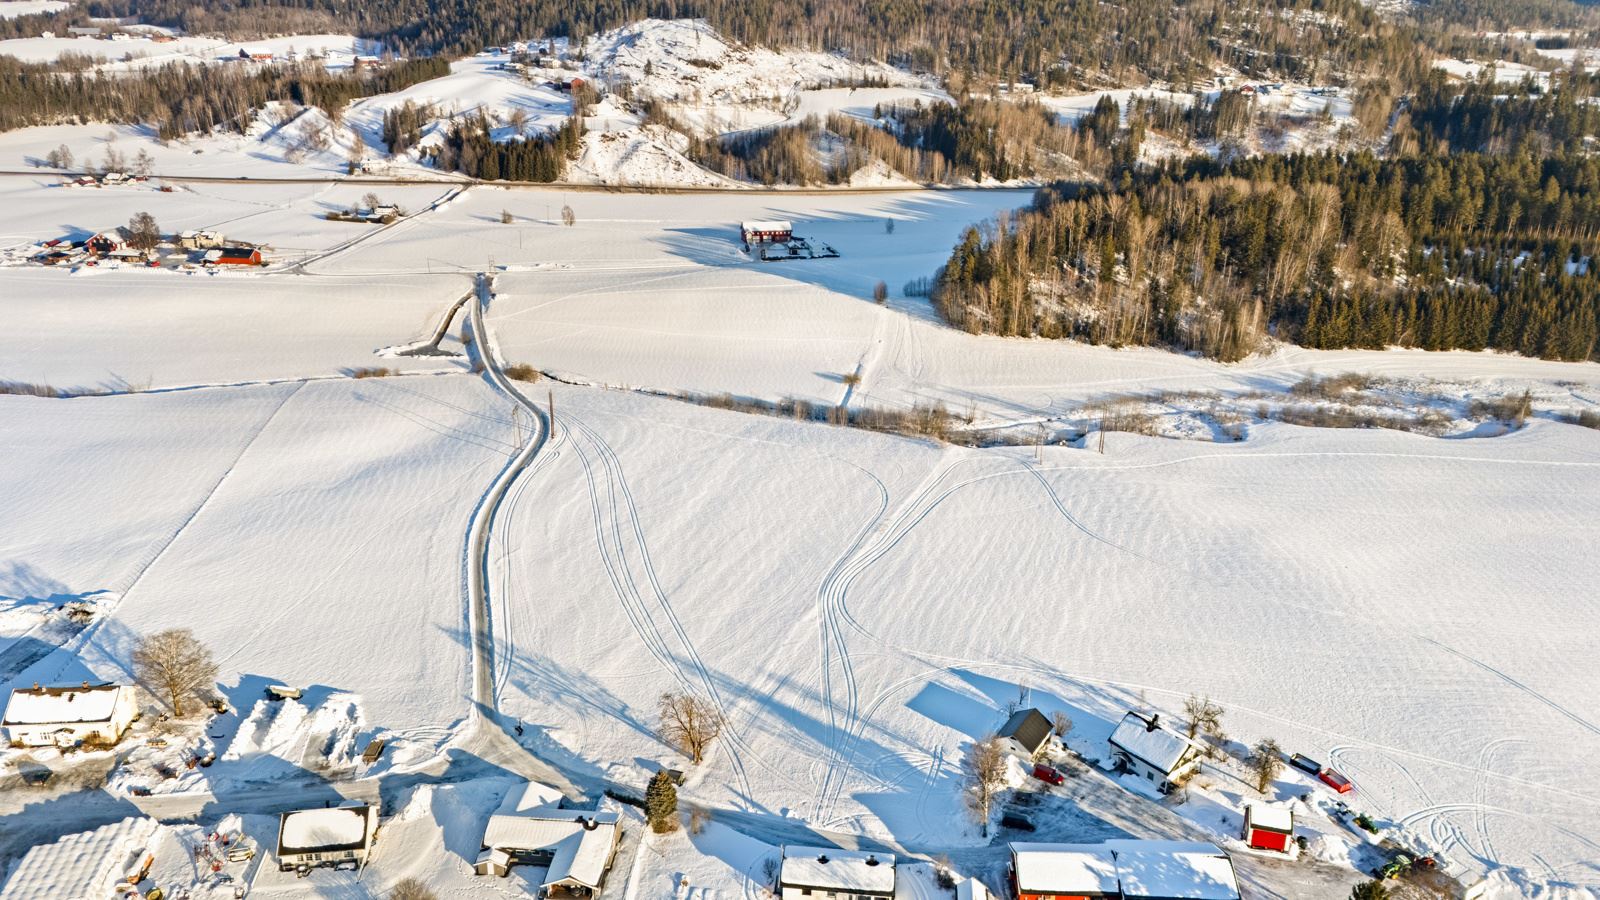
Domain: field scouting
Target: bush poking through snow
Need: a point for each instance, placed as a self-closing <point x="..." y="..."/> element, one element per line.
<point x="505" y="217"/>
<point x="1204" y="716"/>
<point x="568" y="217"/>
<point x="411" y="889"/>
<point x="661" y="803"/>
<point x="1369" y="890"/>
<point x="372" y="372"/>
<point x="1060" y="723"/>
<point x="175" y="665"/>
<point x="1266" y="763"/>
<point x="850" y="379"/>
<point x="688" y="724"/>
<point x="522" y="372"/>
<point x="880" y="293"/>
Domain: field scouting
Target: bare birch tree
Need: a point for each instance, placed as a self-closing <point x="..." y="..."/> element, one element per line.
<point x="174" y="663"/>
<point x="689" y="724"/>
<point x="1266" y="763"/>
<point x="985" y="768"/>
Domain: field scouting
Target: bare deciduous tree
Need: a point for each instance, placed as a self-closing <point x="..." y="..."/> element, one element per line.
<point x="144" y="163"/>
<point x="985" y="768"/>
<point x="505" y="217"/>
<point x="411" y="889"/>
<point x="880" y="291"/>
<point x="1060" y="723"/>
<point x="1266" y="763"/>
<point x="369" y="200"/>
<point x="1204" y="716"/>
<point x="174" y="663"/>
<point x="689" y="723"/>
<point x="143" y="232"/>
<point x="568" y="217"/>
<point x="59" y="158"/>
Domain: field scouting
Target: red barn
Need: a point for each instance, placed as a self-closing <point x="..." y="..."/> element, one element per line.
<point x="236" y="256"/>
<point x="775" y="232"/>
<point x="1268" y="827"/>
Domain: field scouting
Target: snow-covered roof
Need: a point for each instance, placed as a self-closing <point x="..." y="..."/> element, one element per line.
<point x="1160" y="746"/>
<point x="1082" y="869"/>
<point x="772" y="225"/>
<point x="1272" y="818"/>
<point x="334" y="828"/>
<point x="832" y="869"/>
<point x="84" y="866"/>
<point x="1174" y="870"/>
<point x="530" y="796"/>
<point x="63" y="704"/>
<point x="582" y="857"/>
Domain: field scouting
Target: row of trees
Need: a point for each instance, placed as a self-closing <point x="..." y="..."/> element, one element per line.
<point x="181" y="99"/>
<point x="1467" y="251"/>
<point x="469" y="147"/>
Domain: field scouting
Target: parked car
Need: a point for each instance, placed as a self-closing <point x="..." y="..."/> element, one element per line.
<point x="1336" y="781"/>
<point x="1306" y="764"/>
<point x="1047" y="774"/>
<point x="1016" y="822"/>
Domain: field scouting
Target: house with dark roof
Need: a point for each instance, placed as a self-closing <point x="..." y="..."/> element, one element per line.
<point x="1025" y="732"/>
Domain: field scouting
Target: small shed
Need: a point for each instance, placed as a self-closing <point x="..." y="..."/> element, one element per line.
<point x="1152" y="751"/>
<point x="309" y="838"/>
<point x="1064" y="871"/>
<point x="1268" y="827"/>
<point x="201" y="240"/>
<point x="1025" y="732"/>
<point x="810" y="872"/>
<point x="766" y="232"/>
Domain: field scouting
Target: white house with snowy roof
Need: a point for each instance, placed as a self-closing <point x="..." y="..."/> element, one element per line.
<point x="309" y="838"/>
<point x="1123" y="870"/>
<point x="576" y="847"/>
<point x="816" y="873"/>
<point x="68" y="715"/>
<point x="1152" y="751"/>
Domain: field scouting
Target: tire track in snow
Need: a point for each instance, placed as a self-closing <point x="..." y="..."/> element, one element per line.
<point x="699" y="681"/>
<point x="1580" y="721"/>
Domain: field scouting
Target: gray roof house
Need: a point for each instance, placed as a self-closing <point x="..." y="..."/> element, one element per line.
<point x="1026" y="731"/>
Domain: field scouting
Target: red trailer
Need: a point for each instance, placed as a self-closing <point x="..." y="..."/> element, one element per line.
<point x="1268" y="827"/>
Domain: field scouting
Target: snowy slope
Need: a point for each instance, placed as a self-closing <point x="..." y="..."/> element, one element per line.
<point x="863" y="606"/>
<point x="310" y="533"/>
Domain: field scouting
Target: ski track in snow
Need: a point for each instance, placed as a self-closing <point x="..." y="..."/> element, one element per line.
<point x="699" y="681"/>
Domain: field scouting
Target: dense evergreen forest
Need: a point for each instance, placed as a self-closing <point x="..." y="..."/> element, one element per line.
<point x="180" y="99"/>
<point x="1468" y="251"/>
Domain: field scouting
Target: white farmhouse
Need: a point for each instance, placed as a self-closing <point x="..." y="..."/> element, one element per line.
<point x="821" y="873"/>
<point x="576" y="847"/>
<point x="1152" y="751"/>
<point x="67" y="715"/>
<point x="309" y="838"/>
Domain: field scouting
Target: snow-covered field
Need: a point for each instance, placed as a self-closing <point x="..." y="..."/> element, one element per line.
<point x="311" y="532"/>
<point x="1411" y="609"/>
<point x="10" y="9"/>
<point x="862" y="606"/>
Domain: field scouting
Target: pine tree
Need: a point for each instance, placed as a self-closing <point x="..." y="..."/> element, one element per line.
<point x="661" y="803"/>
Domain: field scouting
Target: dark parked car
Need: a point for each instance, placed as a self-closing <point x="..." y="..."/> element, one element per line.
<point x="1016" y="822"/>
<point x="1306" y="764"/>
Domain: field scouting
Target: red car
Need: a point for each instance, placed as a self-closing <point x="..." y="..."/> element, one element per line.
<point x="1336" y="781"/>
<point x="1047" y="774"/>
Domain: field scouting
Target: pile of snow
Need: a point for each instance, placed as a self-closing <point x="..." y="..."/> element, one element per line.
<point x="291" y="732"/>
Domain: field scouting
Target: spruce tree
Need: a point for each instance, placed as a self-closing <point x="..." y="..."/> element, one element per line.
<point x="661" y="803"/>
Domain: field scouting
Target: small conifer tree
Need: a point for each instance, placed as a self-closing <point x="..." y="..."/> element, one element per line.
<point x="661" y="803"/>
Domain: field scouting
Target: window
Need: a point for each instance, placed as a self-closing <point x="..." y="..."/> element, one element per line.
<point x="1149" y="776"/>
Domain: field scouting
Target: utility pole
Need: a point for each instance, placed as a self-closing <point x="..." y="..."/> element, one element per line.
<point x="552" y="397"/>
<point x="1102" y="435"/>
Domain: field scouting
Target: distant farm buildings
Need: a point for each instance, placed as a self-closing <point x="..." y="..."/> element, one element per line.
<point x="68" y="715"/>
<point x="334" y="836"/>
<point x="771" y="232"/>
<point x="807" y="873"/>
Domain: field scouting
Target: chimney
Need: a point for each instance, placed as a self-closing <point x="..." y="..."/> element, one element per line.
<point x="1155" y="722"/>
